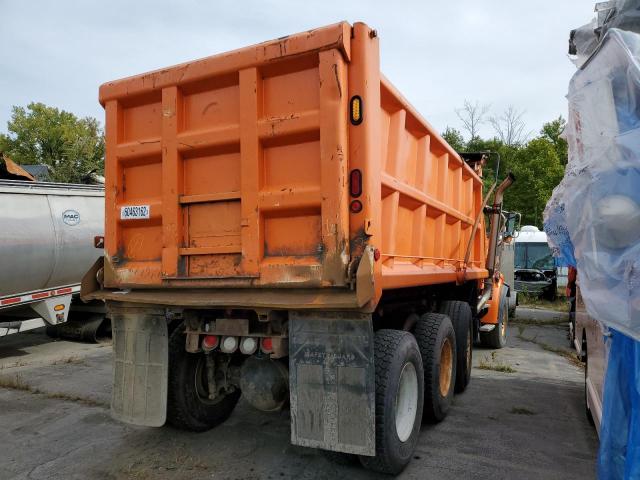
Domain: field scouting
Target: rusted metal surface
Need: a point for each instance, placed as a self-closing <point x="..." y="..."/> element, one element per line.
<point x="10" y="170"/>
<point x="234" y="298"/>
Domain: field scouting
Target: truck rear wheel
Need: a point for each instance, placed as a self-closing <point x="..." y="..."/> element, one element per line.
<point x="188" y="404"/>
<point x="461" y="318"/>
<point x="399" y="400"/>
<point x="437" y="342"/>
<point x="497" y="338"/>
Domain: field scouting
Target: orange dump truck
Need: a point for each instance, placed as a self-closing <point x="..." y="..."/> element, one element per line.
<point x="282" y="224"/>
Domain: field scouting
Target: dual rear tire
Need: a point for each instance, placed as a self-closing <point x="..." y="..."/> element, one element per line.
<point x="188" y="404"/>
<point x="415" y="380"/>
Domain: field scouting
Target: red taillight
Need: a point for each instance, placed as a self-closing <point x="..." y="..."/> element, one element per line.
<point x="355" y="183"/>
<point x="98" y="241"/>
<point x="266" y="345"/>
<point x="210" y="342"/>
<point x="356" y="206"/>
<point x="376" y="254"/>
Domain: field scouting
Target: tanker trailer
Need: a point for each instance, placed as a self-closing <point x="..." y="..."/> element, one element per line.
<point x="46" y="246"/>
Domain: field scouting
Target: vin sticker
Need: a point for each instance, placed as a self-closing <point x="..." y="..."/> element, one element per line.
<point x="134" y="212"/>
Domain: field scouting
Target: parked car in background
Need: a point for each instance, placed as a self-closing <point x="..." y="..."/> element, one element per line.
<point x="535" y="269"/>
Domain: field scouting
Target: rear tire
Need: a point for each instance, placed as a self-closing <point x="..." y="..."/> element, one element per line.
<point x="399" y="400"/>
<point x="188" y="407"/>
<point x="437" y="342"/>
<point x="461" y="318"/>
<point x="497" y="338"/>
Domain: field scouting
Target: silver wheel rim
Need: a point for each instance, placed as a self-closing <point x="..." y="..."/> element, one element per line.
<point x="406" y="406"/>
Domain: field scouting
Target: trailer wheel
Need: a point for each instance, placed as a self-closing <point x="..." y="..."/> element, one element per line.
<point x="461" y="318"/>
<point x="437" y="342"/>
<point x="399" y="400"/>
<point x="188" y="404"/>
<point x="497" y="338"/>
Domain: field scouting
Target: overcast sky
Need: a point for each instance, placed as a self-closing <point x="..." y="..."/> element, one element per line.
<point x="438" y="53"/>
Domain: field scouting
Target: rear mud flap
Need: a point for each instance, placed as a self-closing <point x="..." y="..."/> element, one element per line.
<point x="140" y="373"/>
<point x="332" y="381"/>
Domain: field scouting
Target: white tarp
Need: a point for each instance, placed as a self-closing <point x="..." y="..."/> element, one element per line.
<point x="593" y="217"/>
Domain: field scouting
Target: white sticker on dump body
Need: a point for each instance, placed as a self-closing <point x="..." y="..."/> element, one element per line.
<point x="133" y="212"/>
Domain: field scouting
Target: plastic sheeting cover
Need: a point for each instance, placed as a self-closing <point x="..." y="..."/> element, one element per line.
<point x="619" y="456"/>
<point x="620" y="14"/>
<point x="593" y="217"/>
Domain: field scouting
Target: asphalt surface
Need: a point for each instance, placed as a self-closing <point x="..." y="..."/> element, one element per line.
<point x="522" y="417"/>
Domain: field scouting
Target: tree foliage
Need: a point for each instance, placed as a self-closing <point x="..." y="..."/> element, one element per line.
<point x="69" y="146"/>
<point x="538" y="165"/>
<point x="454" y="138"/>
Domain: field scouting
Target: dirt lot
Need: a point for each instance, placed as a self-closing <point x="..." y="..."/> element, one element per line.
<point x="522" y="417"/>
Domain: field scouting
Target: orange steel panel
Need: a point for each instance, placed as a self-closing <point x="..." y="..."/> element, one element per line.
<point x="243" y="159"/>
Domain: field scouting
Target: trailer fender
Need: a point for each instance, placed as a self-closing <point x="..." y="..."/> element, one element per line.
<point x="332" y="381"/>
<point x="141" y="366"/>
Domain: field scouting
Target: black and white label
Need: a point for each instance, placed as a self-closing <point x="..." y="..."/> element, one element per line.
<point x="71" y="217"/>
<point x="134" y="212"/>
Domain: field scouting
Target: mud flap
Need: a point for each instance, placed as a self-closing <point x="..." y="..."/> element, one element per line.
<point x="141" y="365"/>
<point x="332" y="381"/>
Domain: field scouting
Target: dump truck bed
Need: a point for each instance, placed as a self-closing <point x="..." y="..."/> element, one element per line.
<point x="237" y="171"/>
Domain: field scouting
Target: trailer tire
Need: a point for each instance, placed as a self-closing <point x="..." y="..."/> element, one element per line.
<point x="461" y="318"/>
<point x="399" y="401"/>
<point x="497" y="338"/>
<point x="187" y="409"/>
<point x="437" y="342"/>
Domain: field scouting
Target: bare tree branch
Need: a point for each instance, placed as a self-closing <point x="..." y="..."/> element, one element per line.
<point x="510" y="127"/>
<point x="472" y="116"/>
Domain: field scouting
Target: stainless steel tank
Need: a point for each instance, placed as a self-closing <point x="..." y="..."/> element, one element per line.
<point x="47" y="232"/>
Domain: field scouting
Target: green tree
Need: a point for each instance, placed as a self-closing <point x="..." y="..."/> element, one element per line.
<point x="538" y="171"/>
<point x="454" y="138"/>
<point x="552" y="131"/>
<point x="70" y="146"/>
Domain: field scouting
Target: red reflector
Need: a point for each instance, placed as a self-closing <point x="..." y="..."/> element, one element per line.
<point x="267" y="345"/>
<point x="355" y="183"/>
<point x="209" y="342"/>
<point x="37" y="296"/>
<point x="356" y="206"/>
<point x="10" y="301"/>
<point x="98" y="241"/>
<point x="63" y="291"/>
<point x="376" y="254"/>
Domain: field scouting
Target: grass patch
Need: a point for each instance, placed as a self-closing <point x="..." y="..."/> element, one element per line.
<point x="571" y="357"/>
<point x="560" y="304"/>
<point x="521" y="411"/>
<point x="492" y="363"/>
<point x="69" y="360"/>
<point x="17" y="383"/>
<point x="538" y="323"/>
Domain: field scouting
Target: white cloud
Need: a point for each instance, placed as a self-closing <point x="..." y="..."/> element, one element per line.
<point x="437" y="53"/>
